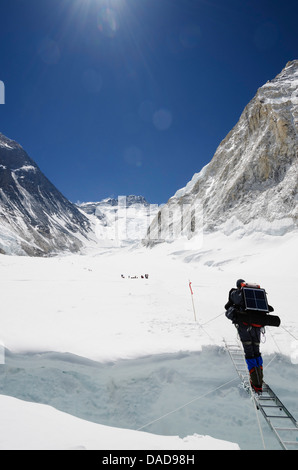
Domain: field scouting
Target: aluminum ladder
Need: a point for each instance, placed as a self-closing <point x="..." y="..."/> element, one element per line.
<point x="281" y="421"/>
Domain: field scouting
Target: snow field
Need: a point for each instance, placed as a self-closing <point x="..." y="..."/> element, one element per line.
<point x="80" y="305"/>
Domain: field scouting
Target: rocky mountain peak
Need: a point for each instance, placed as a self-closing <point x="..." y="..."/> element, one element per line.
<point x="251" y="182"/>
<point x="35" y="218"/>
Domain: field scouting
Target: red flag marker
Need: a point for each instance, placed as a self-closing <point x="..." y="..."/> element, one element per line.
<point x="193" y="305"/>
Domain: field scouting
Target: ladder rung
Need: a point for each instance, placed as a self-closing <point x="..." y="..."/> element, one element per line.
<point x="291" y="443"/>
<point x="265" y="398"/>
<point x="286" y="429"/>
<point x="277" y="416"/>
<point x="272" y="406"/>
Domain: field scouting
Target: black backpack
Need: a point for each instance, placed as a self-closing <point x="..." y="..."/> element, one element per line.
<point x="252" y="306"/>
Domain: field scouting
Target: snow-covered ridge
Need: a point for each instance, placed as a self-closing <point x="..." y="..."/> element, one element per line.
<point x="283" y="87"/>
<point x="125" y="219"/>
<point x="7" y="143"/>
<point x="35" y="218"/>
<point x="26" y="168"/>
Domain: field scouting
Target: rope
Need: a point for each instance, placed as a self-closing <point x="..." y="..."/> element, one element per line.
<point x="289" y="332"/>
<point x="186" y="404"/>
<point x="214" y="318"/>
<point x="206" y="332"/>
<point x="273" y="339"/>
<point x="270" y="362"/>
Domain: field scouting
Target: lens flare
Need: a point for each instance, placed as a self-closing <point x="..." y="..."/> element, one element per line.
<point x="162" y="119"/>
<point x="107" y="21"/>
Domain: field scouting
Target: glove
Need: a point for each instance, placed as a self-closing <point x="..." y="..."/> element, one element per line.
<point x="230" y="313"/>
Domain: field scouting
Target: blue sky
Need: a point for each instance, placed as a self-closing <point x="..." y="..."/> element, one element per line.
<point x="116" y="97"/>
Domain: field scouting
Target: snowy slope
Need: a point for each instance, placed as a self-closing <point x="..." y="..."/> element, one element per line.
<point x="30" y="426"/>
<point x="83" y="305"/>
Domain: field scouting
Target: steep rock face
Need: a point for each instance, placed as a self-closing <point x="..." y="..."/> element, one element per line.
<point x="35" y="218"/>
<point x="251" y="182"/>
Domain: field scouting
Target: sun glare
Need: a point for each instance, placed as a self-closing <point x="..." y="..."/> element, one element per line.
<point x="107" y="21"/>
<point x="108" y="18"/>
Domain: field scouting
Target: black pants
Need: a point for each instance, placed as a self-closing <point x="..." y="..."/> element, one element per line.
<point x="250" y="338"/>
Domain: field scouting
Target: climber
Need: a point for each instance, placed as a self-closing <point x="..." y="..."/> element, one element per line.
<point x="249" y="334"/>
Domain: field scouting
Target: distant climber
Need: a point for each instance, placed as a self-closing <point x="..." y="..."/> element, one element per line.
<point x="247" y="304"/>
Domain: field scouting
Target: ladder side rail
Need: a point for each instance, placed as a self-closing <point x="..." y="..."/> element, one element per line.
<point x="281" y="405"/>
<point x="270" y="423"/>
<point x="278" y="437"/>
<point x="235" y="352"/>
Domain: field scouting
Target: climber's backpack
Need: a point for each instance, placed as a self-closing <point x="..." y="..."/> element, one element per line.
<point x="255" y="309"/>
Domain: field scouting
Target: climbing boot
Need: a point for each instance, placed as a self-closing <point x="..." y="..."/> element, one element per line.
<point x="256" y="379"/>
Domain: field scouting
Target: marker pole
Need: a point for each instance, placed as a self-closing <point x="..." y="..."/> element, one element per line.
<point x="193" y="305"/>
